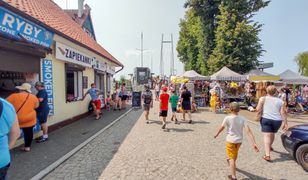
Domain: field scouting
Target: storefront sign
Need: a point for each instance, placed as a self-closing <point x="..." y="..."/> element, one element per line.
<point x="110" y="70"/>
<point x="47" y="78"/>
<point x="66" y="53"/>
<point x="15" y="26"/>
<point x="100" y="66"/>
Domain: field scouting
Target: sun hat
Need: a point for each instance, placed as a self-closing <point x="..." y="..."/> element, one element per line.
<point x="25" y="87"/>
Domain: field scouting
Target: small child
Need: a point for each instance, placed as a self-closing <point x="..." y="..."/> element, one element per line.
<point x="164" y="98"/>
<point x="214" y="101"/>
<point x="194" y="107"/>
<point x="174" y="99"/>
<point x="235" y="125"/>
<point x="108" y="102"/>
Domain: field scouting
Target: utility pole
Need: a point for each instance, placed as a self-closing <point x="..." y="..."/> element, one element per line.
<point x="161" y="68"/>
<point x="151" y="63"/>
<point x="141" y="50"/>
<point x="162" y="56"/>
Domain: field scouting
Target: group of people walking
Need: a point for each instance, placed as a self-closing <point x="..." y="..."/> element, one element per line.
<point x="162" y="95"/>
<point x="22" y="110"/>
<point x="273" y="116"/>
<point x="116" y="101"/>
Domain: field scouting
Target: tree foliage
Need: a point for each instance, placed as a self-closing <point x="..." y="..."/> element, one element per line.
<point x="302" y="62"/>
<point x="190" y="44"/>
<point x="230" y="37"/>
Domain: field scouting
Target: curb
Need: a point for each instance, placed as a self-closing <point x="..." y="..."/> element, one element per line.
<point x="57" y="163"/>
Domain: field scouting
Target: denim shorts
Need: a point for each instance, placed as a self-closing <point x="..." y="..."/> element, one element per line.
<point x="270" y="126"/>
<point x="174" y="109"/>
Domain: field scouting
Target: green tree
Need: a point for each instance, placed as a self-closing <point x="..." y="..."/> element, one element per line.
<point x="237" y="44"/>
<point x="190" y="44"/>
<point x="207" y="11"/>
<point x="302" y="62"/>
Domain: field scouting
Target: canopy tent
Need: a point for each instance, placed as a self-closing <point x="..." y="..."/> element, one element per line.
<point x="193" y="75"/>
<point x="258" y="75"/>
<point x="291" y="77"/>
<point x="226" y="74"/>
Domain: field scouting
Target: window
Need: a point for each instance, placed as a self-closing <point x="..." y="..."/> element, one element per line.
<point x="74" y="89"/>
<point x="100" y="81"/>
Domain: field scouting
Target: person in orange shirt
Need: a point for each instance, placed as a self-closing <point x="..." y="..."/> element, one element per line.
<point x="25" y="104"/>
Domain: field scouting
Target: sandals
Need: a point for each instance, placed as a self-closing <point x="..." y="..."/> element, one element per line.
<point x="190" y="122"/>
<point x="164" y="126"/>
<point x="272" y="149"/>
<point x="267" y="158"/>
<point x="97" y="118"/>
<point x="231" y="178"/>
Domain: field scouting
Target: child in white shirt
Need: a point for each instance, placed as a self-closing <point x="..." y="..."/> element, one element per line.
<point x="235" y="125"/>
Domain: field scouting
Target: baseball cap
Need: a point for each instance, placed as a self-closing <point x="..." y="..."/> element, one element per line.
<point x="165" y="89"/>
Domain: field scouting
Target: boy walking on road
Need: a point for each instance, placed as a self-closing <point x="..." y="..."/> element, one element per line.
<point x="235" y="125"/>
<point x="147" y="97"/>
<point x="174" y="99"/>
<point x="164" y="101"/>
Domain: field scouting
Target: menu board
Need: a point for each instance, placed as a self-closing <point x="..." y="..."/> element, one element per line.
<point x="136" y="99"/>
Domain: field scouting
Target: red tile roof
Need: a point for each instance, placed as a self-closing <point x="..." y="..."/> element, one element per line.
<point x="52" y="16"/>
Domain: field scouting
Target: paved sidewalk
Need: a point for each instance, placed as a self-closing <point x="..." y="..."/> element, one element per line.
<point x="189" y="151"/>
<point x="61" y="141"/>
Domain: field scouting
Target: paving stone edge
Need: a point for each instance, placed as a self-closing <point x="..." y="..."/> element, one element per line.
<point x="57" y="163"/>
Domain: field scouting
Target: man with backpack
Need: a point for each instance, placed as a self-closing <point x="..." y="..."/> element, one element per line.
<point x="147" y="97"/>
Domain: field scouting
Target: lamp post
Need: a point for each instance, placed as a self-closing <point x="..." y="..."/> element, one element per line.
<point x="141" y="50"/>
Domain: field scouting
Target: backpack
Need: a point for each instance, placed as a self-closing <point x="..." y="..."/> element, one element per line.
<point x="147" y="97"/>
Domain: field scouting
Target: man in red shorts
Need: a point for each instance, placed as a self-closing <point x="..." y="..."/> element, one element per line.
<point x="164" y="102"/>
<point x="95" y="101"/>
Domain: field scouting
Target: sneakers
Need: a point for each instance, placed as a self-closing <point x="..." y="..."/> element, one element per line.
<point x="40" y="140"/>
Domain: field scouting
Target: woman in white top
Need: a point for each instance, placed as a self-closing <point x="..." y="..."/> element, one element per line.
<point x="273" y="116"/>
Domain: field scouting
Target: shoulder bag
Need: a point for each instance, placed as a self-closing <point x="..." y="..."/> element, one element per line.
<point x="260" y="113"/>
<point x="23" y="104"/>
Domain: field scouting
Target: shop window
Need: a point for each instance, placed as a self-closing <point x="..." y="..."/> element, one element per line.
<point x="74" y="85"/>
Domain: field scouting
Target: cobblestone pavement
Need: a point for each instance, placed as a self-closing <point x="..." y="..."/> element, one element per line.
<point x="95" y="156"/>
<point x="188" y="151"/>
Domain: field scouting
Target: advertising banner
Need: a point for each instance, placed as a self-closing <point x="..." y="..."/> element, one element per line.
<point x="47" y="78"/>
<point x="68" y="54"/>
<point x="17" y="27"/>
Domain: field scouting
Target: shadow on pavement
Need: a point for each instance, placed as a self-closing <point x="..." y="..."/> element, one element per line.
<point x="179" y="130"/>
<point x="282" y="157"/>
<point x="250" y="175"/>
<point x="199" y="122"/>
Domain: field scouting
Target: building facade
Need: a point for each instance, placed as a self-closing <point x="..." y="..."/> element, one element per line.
<point x="41" y="42"/>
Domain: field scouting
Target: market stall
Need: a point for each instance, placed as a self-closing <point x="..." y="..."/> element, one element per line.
<point x="226" y="74"/>
<point x="198" y="87"/>
<point x="296" y="86"/>
<point x="257" y="75"/>
<point x="229" y="86"/>
<point x="290" y="77"/>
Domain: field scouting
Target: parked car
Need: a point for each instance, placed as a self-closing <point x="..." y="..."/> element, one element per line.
<point x="295" y="141"/>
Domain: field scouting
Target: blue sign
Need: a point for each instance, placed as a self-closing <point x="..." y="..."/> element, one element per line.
<point x="15" y="26"/>
<point x="47" y="79"/>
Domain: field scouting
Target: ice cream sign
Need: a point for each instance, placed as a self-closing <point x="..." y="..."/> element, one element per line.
<point x="15" y="26"/>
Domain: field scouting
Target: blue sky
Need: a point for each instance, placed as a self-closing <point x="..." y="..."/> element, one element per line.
<point x="118" y="24"/>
